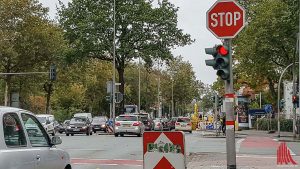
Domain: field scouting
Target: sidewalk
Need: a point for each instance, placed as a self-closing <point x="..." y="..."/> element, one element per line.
<point x="284" y="136"/>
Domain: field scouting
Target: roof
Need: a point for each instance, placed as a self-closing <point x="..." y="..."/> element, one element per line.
<point x="4" y="109"/>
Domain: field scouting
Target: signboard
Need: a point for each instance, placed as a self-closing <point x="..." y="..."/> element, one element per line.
<point x="225" y="19"/>
<point x="164" y="150"/>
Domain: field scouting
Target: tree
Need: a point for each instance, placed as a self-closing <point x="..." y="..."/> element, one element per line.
<point x="28" y="40"/>
<point x="142" y="29"/>
<point x="267" y="44"/>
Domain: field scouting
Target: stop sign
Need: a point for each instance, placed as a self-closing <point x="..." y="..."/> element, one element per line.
<point x="225" y="19"/>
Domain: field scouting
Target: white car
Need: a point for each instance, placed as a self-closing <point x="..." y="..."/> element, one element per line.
<point x="183" y="124"/>
<point x="48" y="122"/>
<point x="24" y="143"/>
<point x="129" y="124"/>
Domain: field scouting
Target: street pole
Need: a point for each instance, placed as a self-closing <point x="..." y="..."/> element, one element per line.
<point x="260" y="100"/>
<point x="114" y="68"/>
<point x="158" y="91"/>
<point x="139" y="84"/>
<point x="172" y="98"/>
<point x="215" y="112"/>
<point x="230" y="121"/>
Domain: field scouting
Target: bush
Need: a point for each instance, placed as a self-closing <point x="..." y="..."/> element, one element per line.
<point x="285" y="124"/>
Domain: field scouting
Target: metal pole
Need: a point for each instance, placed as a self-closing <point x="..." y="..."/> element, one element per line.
<point x="260" y="100"/>
<point x="139" y="84"/>
<point x="172" y="98"/>
<point x="215" y="112"/>
<point x="114" y="68"/>
<point x="278" y="98"/>
<point x="230" y="121"/>
<point x="158" y="91"/>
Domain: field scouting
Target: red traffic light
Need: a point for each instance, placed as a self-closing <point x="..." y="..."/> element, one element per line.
<point x="222" y="50"/>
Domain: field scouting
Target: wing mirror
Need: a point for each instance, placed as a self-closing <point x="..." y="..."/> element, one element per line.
<point x="56" y="140"/>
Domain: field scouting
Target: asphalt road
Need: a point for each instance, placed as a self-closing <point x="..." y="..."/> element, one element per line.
<point x="101" y="151"/>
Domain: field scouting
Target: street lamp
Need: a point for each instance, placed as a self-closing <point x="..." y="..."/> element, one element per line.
<point x="172" y="113"/>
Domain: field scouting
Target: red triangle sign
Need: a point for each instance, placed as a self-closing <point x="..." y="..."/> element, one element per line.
<point x="164" y="164"/>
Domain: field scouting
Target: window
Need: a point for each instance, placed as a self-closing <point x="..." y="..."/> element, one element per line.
<point x="13" y="131"/>
<point x="186" y="120"/>
<point x="36" y="133"/>
<point x="127" y="118"/>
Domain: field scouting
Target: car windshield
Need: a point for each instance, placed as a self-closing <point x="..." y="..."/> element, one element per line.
<point x="78" y="120"/>
<point x="42" y="119"/>
<point x="186" y="120"/>
<point x="144" y="118"/>
<point x="127" y="118"/>
<point x="99" y="120"/>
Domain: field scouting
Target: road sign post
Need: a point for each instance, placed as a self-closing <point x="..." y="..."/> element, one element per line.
<point x="225" y="19"/>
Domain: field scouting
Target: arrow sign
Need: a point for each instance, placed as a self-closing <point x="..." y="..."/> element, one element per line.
<point x="164" y="164"/>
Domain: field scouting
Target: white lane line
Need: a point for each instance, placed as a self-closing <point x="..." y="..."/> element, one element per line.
<point x="238" y="144"/>
<point x="292" y="153"/>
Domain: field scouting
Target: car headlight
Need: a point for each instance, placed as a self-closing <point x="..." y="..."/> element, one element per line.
<point x="117" y="128"/>
<point x="103" y="125"/>
<point x="84" y="127"/>
<point x="68" y="127"/>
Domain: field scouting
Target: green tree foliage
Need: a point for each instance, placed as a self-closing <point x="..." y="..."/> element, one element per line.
<point x="28" y="40"/>
<point x="142" y="29"/>
<point x="267" y="44"/>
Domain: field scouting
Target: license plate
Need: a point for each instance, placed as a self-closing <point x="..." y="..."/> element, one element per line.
<point x="76" y="129"/>
<point x="183" y="125"/>
<point x="126" y="125"/>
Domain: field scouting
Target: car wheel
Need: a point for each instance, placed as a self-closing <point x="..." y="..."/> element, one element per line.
<point x="116" y="135"/>
<point x="95" y="131"/>
<point x="67" y="134"/>
<point x="122" y="135"/>
<point x="87" y="133"/>
<point x="191" y="131"/>
<point x="72" y="134"/>
<point x="60" y="132"/>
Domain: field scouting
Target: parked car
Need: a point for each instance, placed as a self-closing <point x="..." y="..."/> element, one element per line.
<point x="172" y="123"/>
<point x="99" y="123"/>
<point x="25" y="144"/>
<point x="183" y="124"/>
<point x="79" y="125"/>
<point x="158" y="125"/>
<point x="148" y="122"/>
<point x="165" y="124"/>
<point x="129" y="124"/>
<point x="48" y="122"/>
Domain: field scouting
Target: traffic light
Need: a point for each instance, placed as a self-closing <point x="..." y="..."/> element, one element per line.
<point x="221" y="60"/>
<point x="52" y="72"/>
<point x="295" y="100"/>
<point x="282" y="104"/>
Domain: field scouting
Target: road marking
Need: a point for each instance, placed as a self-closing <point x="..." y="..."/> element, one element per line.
<point x="107" y="161"/>
<point x="238" y="144"/>
<point x="292" y="153"/>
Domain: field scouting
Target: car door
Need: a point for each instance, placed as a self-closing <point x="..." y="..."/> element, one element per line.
<point x="16" y="152"/>
<point x="47" y="157"/>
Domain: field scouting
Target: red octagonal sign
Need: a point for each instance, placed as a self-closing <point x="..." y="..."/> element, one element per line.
<point x="225" y="19"/>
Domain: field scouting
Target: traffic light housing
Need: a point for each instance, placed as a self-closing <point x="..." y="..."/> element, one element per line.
<point x="282" y="104"/>
<point x="108" y="98"/>
<point x="295" y="100"/>
<point x="52" y="72"/>
<point x="221" y="60"/>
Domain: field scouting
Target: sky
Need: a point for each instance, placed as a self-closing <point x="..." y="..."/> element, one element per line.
<point x="192" y="19"/>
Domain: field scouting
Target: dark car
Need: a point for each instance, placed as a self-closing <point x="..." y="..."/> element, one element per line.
<point x="165" y="123"/>
<point x="99" y="123"/>
<point x="148" y="122"/>
<point x="172" y="122"/>
<point x="79" y="125"/>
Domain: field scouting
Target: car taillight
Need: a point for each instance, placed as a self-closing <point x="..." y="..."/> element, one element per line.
<point x="177" y="123"/>
<point x="118" y="124"/>
<point x="189" y="124"/>
<point x="136" y="124"/>
<point x="158" y="124"/>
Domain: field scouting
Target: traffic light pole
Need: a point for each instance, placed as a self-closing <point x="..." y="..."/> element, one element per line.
<point x="230" y="120"/>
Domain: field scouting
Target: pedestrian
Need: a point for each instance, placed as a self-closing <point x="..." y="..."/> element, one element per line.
<point x="224" y="124"/>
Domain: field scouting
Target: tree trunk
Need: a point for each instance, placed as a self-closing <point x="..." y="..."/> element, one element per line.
<point x="7" y="90"/>
<point x="272" y="89"/>
<point x="121" y="89"/>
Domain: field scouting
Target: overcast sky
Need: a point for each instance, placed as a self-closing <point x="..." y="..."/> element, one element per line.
<point x="192" y="19"/>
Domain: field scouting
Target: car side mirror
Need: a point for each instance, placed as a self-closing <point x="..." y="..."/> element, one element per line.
<point x="56" y="140"/>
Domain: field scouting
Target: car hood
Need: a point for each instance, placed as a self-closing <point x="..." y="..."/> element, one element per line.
<point x="99" y="123"/>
